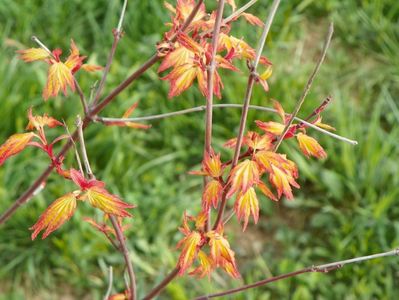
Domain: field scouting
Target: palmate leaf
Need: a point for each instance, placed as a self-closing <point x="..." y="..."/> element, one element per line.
<point x="14" y="144"/>
<point x="60" y="211"/>
<point x="108" y="203"/>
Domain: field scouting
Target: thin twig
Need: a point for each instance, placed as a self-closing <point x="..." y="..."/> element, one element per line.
<point x="247" y="99"/>
<point x="43" y="46"/>
<point x="83" y="147"/>
<point x="82" y="97"/>
<point x="115" y="224"/>
<point x="75" y="149"/>
<point x="119" y="28"/>
<point x="307" y="86"/>
<point x="110" y="283"/>
<point x="209" y="98"/>
<point x="203" y="107"/>
<point x="125" y="252"/>
<point x="117" y="33"/>
<point x="159" y="287"/>
<point x="239" y="11"/>
<point x="320" y="268"/>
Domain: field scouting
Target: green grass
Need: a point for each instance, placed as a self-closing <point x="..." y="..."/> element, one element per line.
<point x="347" y="205"/>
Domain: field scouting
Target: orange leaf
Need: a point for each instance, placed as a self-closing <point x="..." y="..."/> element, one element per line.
<point x="212" y="164"/>
<point x="108" y="203"/>
<point x="253" y="20"/>
<point x="221" y="253"/>
<point x="310" y="147"/>
<point x="60" y="211"/>
<point x="58" y="78"/>
<point x="177" y="57"/>
<point x="33" y="54"/>
<point x="266" y="191"/>
<point x="243" y="176"/>
<point x="181" y="78"/>
<point x="232" y="4"/>
<point x="257" y="141"/>
<point x="190" y="247"/>
<point x="14" y="144"/>
<point x="266" y="159"/>
<point x="212" y="194"/>
<point x="38" y="122"/>
<point x="205" y="267"/>
<point x="282" y="181"/>
<point x="271" y="127"/>
<point x="246" y="204"/>
<point x="91" y="68"/>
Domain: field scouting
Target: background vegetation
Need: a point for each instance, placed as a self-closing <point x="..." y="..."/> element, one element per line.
<point x="346" y="206"/>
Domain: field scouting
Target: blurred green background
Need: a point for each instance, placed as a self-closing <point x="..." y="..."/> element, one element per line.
<point x="347" y="205"/>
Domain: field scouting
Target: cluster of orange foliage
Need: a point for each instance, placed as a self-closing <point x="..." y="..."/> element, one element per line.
<point x="187" y="59"/>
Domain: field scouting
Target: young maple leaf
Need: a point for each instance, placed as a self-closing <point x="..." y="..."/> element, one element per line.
<point x="221" y="253"/>
<point x="256" y="141"/>
<point x="237" y="48"/>
<point x="246" y="204"/>
<point x="212" y="194"/>
<point x="190" y="245"/>
<point x="310" y="147"/>
<point x="14" y="144"/>
<point x="211" y="166"/>
<point x="94" y="191"/>
<point x="60" y="211"/>
<point x="60" y="74"/>
<point x="243" y="177"/>
<point x="282" y="172"/>
<point x="282" y="181"/>
<point x="120" y="296"/>
<point x="38" y="122"/>
<point x="205" y="267"/>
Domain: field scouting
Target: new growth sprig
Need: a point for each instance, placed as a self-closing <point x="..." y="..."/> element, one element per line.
<point x="196" y="46"/>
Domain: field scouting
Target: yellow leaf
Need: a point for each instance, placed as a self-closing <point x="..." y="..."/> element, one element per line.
<point x="33" y="54"/>
<point x="14" y="144"/>
<point x="108" y="203"/>
<point x="55" y="215"/>
<point x="58" y="78"/>
<point x="310" y="147"/>
<point x="190" y="247"/>
<point x="243" y="176"/>
<point x="246" y="204"/>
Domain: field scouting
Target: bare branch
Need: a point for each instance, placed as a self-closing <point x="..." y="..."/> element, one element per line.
<point x="119" y="28"/>
<point x="203" y="107"/>
<point x="110" y="283"/>
<point x="117" y="36"/>
<point x="125" y="252"/>
<point x="307" y="86"/>
<point x="320" y="268"/>
<point x="239" y="11"/>
<point x="114" y="221"/>
<point x="82" y="97"/>
<point x="159" y="287"/>
<point x="74" y="148"/>
<point x="83" y="148"/>
<point x="247" y="100"/>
